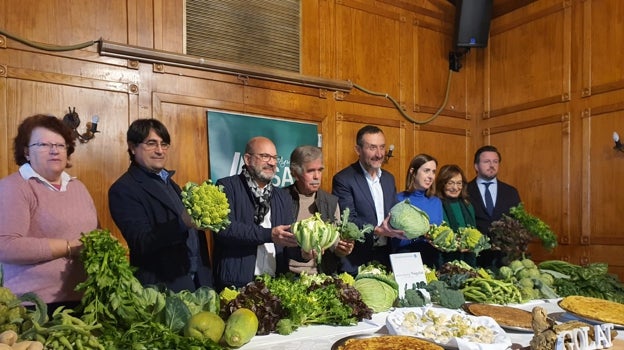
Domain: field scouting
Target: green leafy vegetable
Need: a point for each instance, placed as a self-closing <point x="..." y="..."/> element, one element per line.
<point x="127" y="315"/>
<point x="535" y="226"/>
<point x="410" y="219"/>
<point x="312" y="300"/>
<point x="350" y="231"/>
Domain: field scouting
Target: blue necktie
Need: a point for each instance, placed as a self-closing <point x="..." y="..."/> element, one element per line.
<point x="489" y="203"/>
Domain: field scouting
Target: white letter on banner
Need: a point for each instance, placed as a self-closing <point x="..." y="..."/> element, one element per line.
<point x="237" y="163"/>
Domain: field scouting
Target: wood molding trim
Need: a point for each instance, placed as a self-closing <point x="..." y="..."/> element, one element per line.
<point x="530" y="17"/>
<point x="443" y="130"/>
<point x="355" y="118"/>
<point x="557" y="118"/>
<point x="526" y="106"/>
<point x="64" y="79"/>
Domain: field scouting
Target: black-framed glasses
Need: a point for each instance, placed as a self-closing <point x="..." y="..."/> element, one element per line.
<point x="47" y="146"/>
<point x="265" y="157"/>
<point x="153" y="144"/>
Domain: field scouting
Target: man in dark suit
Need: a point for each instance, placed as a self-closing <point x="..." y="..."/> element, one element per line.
<point x="369" y="192"/>
<point x="145" y="204"/>
<point x="490" y="197"/>
<point x="260" y="216"/>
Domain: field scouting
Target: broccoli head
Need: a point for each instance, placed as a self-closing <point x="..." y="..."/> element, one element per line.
<point x="451" y="299"/>
<point x="412" y="298"/>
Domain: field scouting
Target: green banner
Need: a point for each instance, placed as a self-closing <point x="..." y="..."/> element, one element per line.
<point x="228" y="134"/>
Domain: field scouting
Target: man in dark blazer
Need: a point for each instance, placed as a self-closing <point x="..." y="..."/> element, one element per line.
<point x="369" y="192"/>
<point x="260" y="216"/>
<point x="145" y="204"/>
<point x="504" y="197"/>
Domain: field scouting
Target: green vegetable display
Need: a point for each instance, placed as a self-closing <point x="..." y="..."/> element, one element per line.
<point x="491" y="291"/>
<point x="316" y="299"/>
<point x="207" y="205"/>
<point x="410" y="219"/>
<point x="315" y="234"/>
<point x="532" y="283"/>
<point x="592" y="280"/>
<point x="124" y="312"/>
<point x="378" y="287"/>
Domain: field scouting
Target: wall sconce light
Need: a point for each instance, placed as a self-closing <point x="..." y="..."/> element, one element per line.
<point x="618" y="145"/>
<point x="72" y="120"/>
<point x="389" y="153"/>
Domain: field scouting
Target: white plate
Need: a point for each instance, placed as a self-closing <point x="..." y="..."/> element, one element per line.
<point x="500" y="341"/>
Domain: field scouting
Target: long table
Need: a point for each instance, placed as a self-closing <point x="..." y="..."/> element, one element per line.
<point x="323" y="337"/>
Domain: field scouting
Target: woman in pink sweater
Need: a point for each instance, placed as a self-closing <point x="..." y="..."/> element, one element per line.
<point x="43" y="211"/>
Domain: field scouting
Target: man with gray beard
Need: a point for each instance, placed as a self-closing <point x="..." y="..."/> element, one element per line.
<point x="261" y="214"/>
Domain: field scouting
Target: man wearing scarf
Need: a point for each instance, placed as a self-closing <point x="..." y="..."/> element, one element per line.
<point x="261" y="215"/>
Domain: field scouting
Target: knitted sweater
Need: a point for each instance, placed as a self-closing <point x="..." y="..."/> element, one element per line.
<point x="30" y="214"/>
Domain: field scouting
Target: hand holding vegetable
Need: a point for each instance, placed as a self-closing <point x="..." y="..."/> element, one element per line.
<point x="344" y="248"/>
<point x="384" y="229"/>
<point x="281" y="236"/>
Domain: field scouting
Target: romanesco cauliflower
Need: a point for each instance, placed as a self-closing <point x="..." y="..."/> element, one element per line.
<point x="207" y="205"/>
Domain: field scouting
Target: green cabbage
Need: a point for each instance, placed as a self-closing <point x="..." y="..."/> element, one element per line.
<point x="408" y="218"/>
<point x="378" y="288"/>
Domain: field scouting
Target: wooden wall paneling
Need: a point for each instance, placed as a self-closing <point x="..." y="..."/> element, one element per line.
<point x="169" y="25"/>
<point x="606" y="166"/>
<point x="315" y="37"/>
<point x="604" y="43"/>
<point x="432" y="43"/>
<point x="446" y="144"/>
<point x="368" y="43"/>
<point x="141" y="23"/>
<point x="65" y="22"/>
<point x="530" y="52"/>
<point x="284" y="104"/>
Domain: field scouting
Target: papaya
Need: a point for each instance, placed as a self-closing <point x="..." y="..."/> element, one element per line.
<point x="240" y="327"/>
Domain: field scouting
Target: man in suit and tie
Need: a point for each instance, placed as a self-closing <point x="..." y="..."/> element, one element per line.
<point x="369" y="192"/>
<point x="490" y="197"/>
<point x="165" y="246"/>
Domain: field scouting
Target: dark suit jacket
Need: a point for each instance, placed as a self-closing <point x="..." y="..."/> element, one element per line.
<point x="154" y="231"/>
<point x="352" y="190"/>
<point x="506" y="197"/>
<point x="236" y="246"/>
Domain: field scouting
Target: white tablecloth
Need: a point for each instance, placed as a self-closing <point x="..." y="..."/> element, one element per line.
<point x="323" y="337"/>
